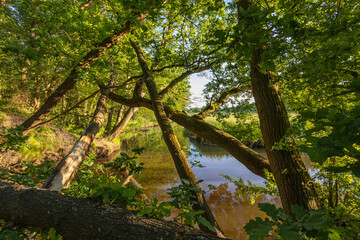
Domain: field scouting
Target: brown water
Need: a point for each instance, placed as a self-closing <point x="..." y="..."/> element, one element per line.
<point x="231" y="209"/>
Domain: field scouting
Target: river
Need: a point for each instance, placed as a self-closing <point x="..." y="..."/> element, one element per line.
<point x="231" y="209"/>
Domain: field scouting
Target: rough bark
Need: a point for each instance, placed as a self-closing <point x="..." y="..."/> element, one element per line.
<point x="83" y="219"/>
<point x="251" y="159"/>
<point x="72" y="78"/>
<point x="181" y="164"/>
<point x="292" y="179"/>
<point x="65" y="171"/>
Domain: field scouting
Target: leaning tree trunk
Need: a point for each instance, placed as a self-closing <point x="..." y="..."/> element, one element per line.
<point x="122" y="124"/>
<point x="292" y="179"/>
<point x="72" y="78"/>
<point x="65" y="171"/>
<point x="251" y="159"/>
<point x="182" y="166"/>
<point x="83" y="219"/>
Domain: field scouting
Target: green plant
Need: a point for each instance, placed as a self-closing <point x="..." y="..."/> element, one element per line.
<point x="13" y="139"/>
<point x="253" y="190"/>
<point x="125" y="162"/>
<point x="308" y="224"/>
<point x="31" y="176"/>
<point x="154" y="209"/>
<point x="39" y="141"/>
<point x="184" y="199"/>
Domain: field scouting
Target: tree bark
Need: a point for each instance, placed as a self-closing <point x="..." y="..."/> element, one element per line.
<point x="65" y="171"/>
<point x="122" y="124"/>
<point x="251" y="159"/>
<point x="182" y="166"/>
<point x="72" y="78"/>
<point x="292" y="179"/>
<point x="109" y="120"/>
<point x="83" y="219"/>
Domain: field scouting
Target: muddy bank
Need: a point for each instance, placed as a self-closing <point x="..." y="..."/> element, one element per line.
<point x="60" y="144"/>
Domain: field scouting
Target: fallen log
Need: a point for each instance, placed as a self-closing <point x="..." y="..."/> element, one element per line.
<point x="79" y="219"/>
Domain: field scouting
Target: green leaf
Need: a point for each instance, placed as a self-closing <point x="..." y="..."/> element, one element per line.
<point x="258" y="229"/>
<point x="206" y="223"/>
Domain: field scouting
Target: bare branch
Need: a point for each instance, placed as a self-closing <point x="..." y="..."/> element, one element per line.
<point x="65" y="112"/>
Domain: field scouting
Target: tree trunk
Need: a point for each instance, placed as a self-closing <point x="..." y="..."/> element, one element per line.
<point x="182" y="166"/>
<point x="118" y="116"/>
<point x="65" y="171"/>
<point x="122" y="124"/>
<point x="251" y="159"/>
<point x="109" y="120"/>
<point x="293" y="181"/>
<point x="83" y="219"/>
<point x="72" y="78"/>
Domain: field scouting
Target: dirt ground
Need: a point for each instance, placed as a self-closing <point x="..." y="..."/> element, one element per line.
<point x="11" y="159"/>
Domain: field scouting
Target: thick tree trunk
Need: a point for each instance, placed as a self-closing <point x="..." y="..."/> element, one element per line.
<point x="251" y="159"/>
<point x="122" y="124"/>
<point x="83" y="219"/>
<point x="182" y="166"/>
<point x="72" y="78"/>
<point x="293" y="181"/>
<point x="67" y="168"/>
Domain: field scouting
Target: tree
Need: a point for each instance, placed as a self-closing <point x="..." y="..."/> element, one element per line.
<point x="67" y="168"/>
<point x="178" y="156"/>
<point x="74" y="218"/>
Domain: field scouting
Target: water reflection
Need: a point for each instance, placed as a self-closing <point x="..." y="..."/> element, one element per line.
<point x="231" y="209"/>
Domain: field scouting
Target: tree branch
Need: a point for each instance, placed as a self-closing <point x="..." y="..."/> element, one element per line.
<point x="65" y="112"/>
<point x="251" y="159"/>
<point x="182" y="77"/>
<point x="211" y="107"/>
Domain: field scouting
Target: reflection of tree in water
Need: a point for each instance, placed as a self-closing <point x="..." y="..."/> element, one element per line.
<point x="234" y="211"/>
<point x="211" y="151"/>
<point x="159" y="174"/>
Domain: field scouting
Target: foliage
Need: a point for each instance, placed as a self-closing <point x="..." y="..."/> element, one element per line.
<point x="38" y="142"/>
<point x="31" y="175"/>
<point x="184" y="199"/>
<point x="252" y="190"/>
<point x="335" y="134"/>
<point x="125" y="162"/>
<point x="13" y="139"/>
<point x="308" y="224"/>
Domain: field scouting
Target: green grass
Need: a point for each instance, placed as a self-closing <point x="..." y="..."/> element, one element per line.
<point x="40" y="141"/>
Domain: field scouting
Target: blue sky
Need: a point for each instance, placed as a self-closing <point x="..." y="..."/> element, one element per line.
<point x="197" y="83"/>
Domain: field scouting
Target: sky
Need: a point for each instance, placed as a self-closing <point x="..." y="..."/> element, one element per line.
<point x="197" y="83"/>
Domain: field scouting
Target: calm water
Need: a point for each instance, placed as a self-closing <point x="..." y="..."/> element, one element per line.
<point x="231" y="209"/>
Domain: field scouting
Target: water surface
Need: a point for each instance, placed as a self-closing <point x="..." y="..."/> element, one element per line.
<point x="231" y="209"/>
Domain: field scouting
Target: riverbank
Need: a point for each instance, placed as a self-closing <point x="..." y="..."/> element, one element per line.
<point x="46" y="143"/>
